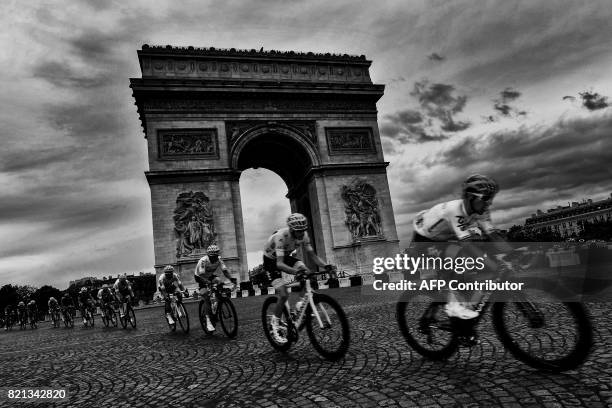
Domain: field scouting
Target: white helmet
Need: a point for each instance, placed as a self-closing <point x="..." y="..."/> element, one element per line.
<point x="297" y="222"/>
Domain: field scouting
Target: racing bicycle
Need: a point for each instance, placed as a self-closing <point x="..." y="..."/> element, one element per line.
<point x="222" y="310"/>
<point x="178" y="313"/>
<point x="324" y="319"/>
<point x="109" y="316"/>
<point x="55" y="317"/>
<point x="535" y="324"/>
<point x="128" y="313"/>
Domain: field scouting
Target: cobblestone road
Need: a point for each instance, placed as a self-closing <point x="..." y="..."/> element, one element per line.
<point x="150" y="367"/>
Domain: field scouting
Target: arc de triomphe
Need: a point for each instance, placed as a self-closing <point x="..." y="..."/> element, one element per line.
<point x="209" y="114"/>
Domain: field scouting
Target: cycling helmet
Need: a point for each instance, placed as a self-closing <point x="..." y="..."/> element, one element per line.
<point x="478" y="184"/>
<point x="297" y="222"/>
<point x="213" y="250"/>
<point x="169" y="270"/>
<point x="21" y="303"/>
<point x="83" y="289"/>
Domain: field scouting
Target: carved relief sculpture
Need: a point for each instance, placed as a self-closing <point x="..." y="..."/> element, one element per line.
<point x="187" y="143"/>
<point x="349" y="140"/>
<point x="193" y="224"/>
<point x="362" y="210"/>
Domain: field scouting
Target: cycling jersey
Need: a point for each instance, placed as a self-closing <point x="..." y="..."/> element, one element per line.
<point x="282" y="243"/>
<point x="447" y="221"/>
<point x="207" y="269"/>
<point x="169" y="285"/>
<point x="105" y="295"/>
<point x="52" y="303"/>
<point x="123" y="287"/>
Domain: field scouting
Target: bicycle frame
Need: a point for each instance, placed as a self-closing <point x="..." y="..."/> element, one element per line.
<point x="309" y="294"/>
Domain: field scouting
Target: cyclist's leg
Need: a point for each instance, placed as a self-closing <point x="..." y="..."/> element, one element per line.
<point x="121" y="300"/>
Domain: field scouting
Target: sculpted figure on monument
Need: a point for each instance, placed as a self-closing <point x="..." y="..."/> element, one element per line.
<point x="361" y="209"/>
<point x="193" y="223"/>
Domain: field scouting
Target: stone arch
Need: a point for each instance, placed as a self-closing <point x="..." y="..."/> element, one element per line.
<point x="278" y="148"/>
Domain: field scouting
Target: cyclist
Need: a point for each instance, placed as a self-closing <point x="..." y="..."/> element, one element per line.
<point x="52" y="305"/>
<point x="205" y="274"/>
<point x="85" y="301"/>
<point x="9" y="316"/>
<point x="106" y="297"/>
<point x="277" y="258"/>
<point x="33" y="311"/>
<point x="123" y="292"/>
<point x="169" y="283"/>
<point x="66" y="303"/>
<point x="468" y="221"/>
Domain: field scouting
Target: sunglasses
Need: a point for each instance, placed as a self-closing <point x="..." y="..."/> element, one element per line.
<point x="484" y="197"/>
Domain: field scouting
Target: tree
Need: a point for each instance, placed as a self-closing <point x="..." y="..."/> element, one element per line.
<point x="43" y="294"/>
<point x="258" y="276"/>
<point x="25" y="292"/>
<point x="8" y="296"/>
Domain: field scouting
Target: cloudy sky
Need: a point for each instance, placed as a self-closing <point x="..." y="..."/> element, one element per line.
<point x="518" y="90"/>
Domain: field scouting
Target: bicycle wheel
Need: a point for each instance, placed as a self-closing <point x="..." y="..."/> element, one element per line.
<point x="226" y="313"/>
<point x="426" y="327"/>
<point x="286" y="328"/>
<point x="182" y="317"/>
<point x="131" y="315"/>
<point x="112" y="315"/>
<point x="105" y="318"/>
<point x="544" y="332"/>
<point x="331" y="336"/>
<point x="124" y="319"/>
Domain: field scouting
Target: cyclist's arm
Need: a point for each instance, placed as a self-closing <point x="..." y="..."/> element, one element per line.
<point x="282" y="266"/>
<point x="226" y="272"/>
<point x="314" y="257"/>
<point x="179" y="283"/>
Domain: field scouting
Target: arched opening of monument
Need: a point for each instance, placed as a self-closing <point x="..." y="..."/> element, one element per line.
<point x="264" y="208"/>
<point x="266" y="159"/>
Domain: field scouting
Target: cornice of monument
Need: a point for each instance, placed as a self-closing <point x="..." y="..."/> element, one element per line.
<point x="169" y="50"/>
<point x="233" y="64"/>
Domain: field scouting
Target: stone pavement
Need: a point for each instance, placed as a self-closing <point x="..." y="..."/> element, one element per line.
<point x="151" y="367"/>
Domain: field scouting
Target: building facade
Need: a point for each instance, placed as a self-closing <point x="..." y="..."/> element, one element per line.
<point x="569" y="220"/>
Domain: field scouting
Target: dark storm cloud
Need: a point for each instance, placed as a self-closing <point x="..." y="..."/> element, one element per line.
<point x="594" y="101"/>
<point x="439" y="102"/>
<point x="435" y="57"/>
<point x="408" y="126"/>
<point x="533" y="166"/>
<point x="433" y="122"/>
<point x="503" y="105"/>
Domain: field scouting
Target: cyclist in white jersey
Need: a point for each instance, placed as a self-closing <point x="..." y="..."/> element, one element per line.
<point x="205" y="274"/>
<point x="277" y="258"/>
<point x="465" y="220"/>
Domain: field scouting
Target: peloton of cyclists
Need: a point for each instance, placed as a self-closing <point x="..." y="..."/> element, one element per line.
<point x="205" y="274"/>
